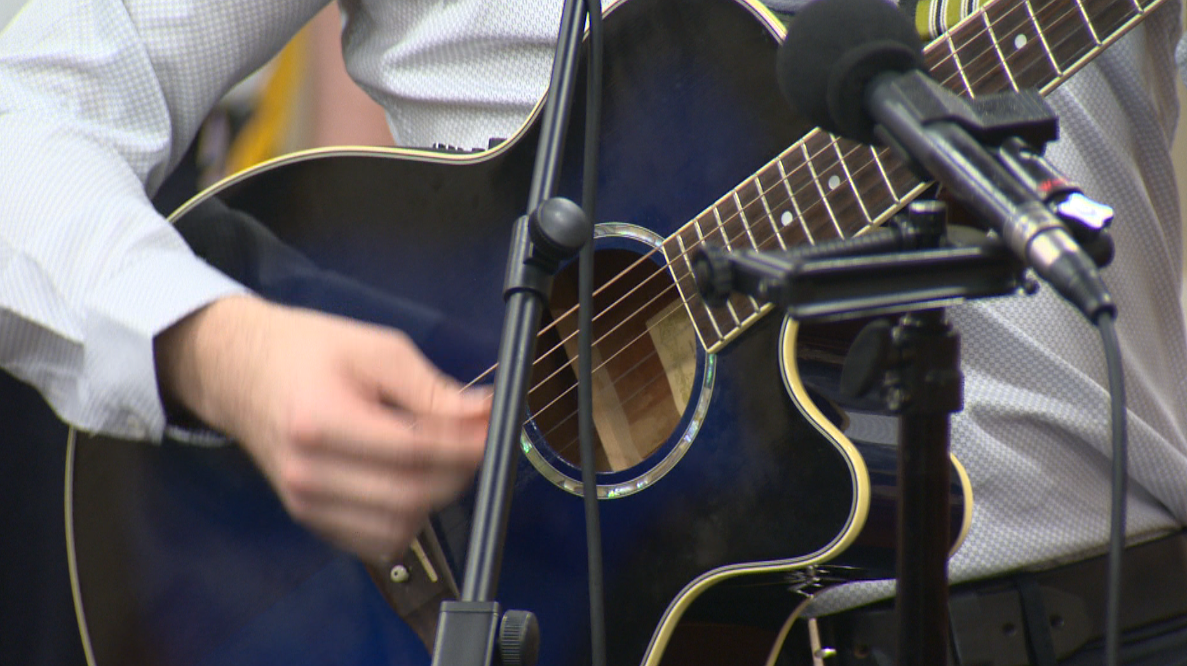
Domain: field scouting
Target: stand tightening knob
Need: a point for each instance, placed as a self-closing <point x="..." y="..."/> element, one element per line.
<point x="519" y="638"/>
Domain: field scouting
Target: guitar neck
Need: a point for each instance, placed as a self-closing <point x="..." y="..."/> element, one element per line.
<point x="825" y="188"/>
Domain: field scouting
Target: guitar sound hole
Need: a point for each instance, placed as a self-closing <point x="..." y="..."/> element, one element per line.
<point x="644" y="362"/>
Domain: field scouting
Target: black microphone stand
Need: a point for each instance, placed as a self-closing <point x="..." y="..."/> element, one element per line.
<point x="552" y="230"/>
<point x="915" y="366"/>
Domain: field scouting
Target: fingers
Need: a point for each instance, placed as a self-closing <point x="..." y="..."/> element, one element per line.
<point x="360" y="435"/>
<point x="369" y="478"/>
<point x="400" y="407"/>
<point x="397" y="489"/>
<point x="373" y="432"/>
<point x="377" y="537"/>
<point x="405" y="378"/>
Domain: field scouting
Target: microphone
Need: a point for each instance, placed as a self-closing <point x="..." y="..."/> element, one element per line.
<point x="855" y="69"/>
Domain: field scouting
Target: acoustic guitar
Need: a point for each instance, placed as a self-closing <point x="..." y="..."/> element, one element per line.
<point x="736" y="479"/>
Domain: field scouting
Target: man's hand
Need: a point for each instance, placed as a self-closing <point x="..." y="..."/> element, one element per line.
<point x="358" y="433"/>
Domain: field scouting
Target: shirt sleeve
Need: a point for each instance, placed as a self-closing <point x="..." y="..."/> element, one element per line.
<point x="98" y="102"/>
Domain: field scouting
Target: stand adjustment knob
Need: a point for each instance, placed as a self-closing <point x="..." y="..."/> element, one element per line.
<point x="519" y="638"/>
<point x="559" y="229"/>
<point x="869" y="358"/>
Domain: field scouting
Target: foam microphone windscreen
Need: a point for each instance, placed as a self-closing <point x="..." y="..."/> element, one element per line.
<point x="832" y="51"/>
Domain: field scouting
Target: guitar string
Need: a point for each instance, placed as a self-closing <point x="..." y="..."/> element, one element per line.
<point x="848" y="203"/>
<point x="762" y="194"/>
<point x="614" y="383"/>
<point x="1001" y="56"/>
<point x="572" y="414"/>
<point x="830" y="145"/>
<point x="761" y="197"/>
<point x="993" y="50"/>
<point x="972" y="61"/>
<point x="977" y="59"/>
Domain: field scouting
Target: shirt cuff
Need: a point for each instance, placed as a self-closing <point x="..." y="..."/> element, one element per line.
<point x="126" y="313"/>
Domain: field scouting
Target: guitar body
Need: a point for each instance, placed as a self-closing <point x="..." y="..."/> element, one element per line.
<point x="745" y="489"/>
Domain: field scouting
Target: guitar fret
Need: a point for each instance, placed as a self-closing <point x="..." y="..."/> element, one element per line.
<point x="756" y="214"/>
<point x="1001" y="57"/>
<point x="712" y="312"/>
<point x="726" y="226"/>
<point x="680" y="264"/>
<point x="871" y="179"/>
<point x="1066" y="31"/>
<point x="744" y="218"/>
<point x="741" y="306"/>
<point x="796" y="233"/>
<point x="782" y="205"/>
<point x="1109" y="16"/>
<point x="942" y="67"/>
<point x="816" y="180"/>
<point x="843" y="201"/>
<point x="1034" y="19"/>
<point x="881" y="168"/>
<point x="792" y="178"/>
<point x="724" y="313"/>
<point x="1088" y="22"/>
<point x="866" y="175"/>
<point x="850" y="183"/>
<point x="959" y="83"/>
<point x="768" y="230"/>
<point x="974" y="52"/>
<point x="732" y="227"/>
<point x="681" y="269"/>
<point x="728" y="313"/>
<point x="1018" y="39"/>
<point x="702" y="315"/>
<point x="708" y="226"/>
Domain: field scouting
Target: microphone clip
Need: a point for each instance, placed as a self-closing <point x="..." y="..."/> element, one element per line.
<point x="917" y="263"/>
<point x="991" y="119"/>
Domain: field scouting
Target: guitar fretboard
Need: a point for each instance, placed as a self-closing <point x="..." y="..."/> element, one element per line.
<point x="824" y="188"/>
